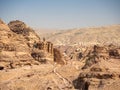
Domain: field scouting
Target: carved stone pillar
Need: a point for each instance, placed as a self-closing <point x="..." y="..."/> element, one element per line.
<point x="48" y="49"/>
<point x="51" y="48"/>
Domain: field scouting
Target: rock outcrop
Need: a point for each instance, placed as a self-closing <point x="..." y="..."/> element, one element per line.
<point x="20" y="45"/>
<point x="14" y="49"/>
<point x="58" y="57"/>
<point x="42" y="51"/>
<point x="22" y="29"/>
<point x="114" y="51"/>
<point x="16" y="43"/>
<point x="96" y="54"/>
<point x="100" y="70"/>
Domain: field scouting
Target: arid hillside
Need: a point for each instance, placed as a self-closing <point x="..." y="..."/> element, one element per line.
<point x="29" y="63"/>
<point x="86" y="36"/>
<point x="20" y="45"/>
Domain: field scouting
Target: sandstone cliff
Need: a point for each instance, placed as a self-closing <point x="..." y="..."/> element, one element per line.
<point x="20" y="45"/>
<point x="100" y="69"/>
<point x="14" y="48"/>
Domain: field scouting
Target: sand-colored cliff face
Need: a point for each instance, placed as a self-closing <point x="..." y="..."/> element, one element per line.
<point x="14" y="48"/>
<point x="21" y="29"/>
<point x="20" y="45"/>
<point x="100" y="70"/>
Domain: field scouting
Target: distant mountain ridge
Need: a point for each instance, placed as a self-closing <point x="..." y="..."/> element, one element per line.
<point x="86" y="36"/>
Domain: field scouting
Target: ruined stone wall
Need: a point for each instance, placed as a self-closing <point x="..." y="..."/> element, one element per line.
<point x="43" y="51"/>
<point x="46" y="46"/>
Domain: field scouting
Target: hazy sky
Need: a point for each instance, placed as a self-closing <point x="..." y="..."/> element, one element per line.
<point x="61" y="14"/>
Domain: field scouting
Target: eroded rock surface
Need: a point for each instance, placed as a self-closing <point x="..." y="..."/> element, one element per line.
<point x="27" y="63"/>
<point x="20" y="45"/>
<point x="100" y="70"/>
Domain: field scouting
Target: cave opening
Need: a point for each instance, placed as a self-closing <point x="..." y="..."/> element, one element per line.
<point x="86" y="86"/>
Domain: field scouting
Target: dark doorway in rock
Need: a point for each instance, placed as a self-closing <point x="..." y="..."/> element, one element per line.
<point x="86" y="86"/>
<point x="1" y="67"/>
